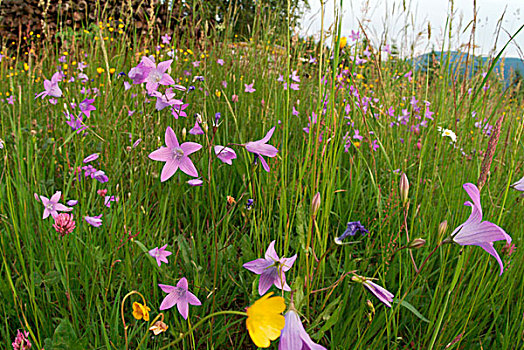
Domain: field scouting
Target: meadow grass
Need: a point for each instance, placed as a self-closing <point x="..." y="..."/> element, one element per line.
<point x="67" y="292"/>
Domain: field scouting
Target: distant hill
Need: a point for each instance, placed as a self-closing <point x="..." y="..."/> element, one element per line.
<point x="457" y="61"/>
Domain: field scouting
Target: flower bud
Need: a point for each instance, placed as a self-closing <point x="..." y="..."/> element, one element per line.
<point x="404" y="188"/>
<point x="315" y="203"/>
<point x="442" y="228"/>
<point x="184" y="133"/>
<point x="416" y="243"/>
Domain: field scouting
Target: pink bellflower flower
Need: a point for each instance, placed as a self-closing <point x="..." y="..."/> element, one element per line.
<point x="294" y="336"/>
<point x="175" y="156"/>
<point x="477" y="232"/>
<point x="249" y="88"/>
<point x="261" y="148"/>
<point x="385" y="296"/>
<point x="94" y="221"/>
<point x="271" y="269"/>
<point x="178" y="296"/>
<point x="519" y="185"/>
<point x="86" y="106"/>
<point x="157" y="75"/>
<point x="225" y="154"/>
<point x="160" y="254"/>
<point x="51" y="87"/>
<point x="52" y="207"/>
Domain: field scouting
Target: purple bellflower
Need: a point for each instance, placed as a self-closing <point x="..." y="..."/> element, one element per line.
<point x="381" y="293"/>
<point x="261" y="148"/>
<point x="271" y="269"/>
<point x="160" y="254"/>
<point x="249" y="88"/>
<point x="352" y="229"/>
<point x="225" y="154"/>
<point x="95" y="221"/>
<point x="519" y="185"/>
<point x="140" y="73"/>
<point x="157" y="75"/>
<point x="51" y="87"/>
<point x="180" y="296"/>
<point x="477" y="232"/>
<point x="86" y="106"/>
<point x="294" y="336"/>
<point x="175" y="156"/>
<point x="52" y="207"/>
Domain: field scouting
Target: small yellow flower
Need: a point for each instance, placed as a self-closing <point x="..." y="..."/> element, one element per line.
<point x="231" y="200"/>
<point x="26" y="66"/>
<point x="100" y="70"/>
<point x="112" y="70"/>
<point x="343" y="42"/>
<point x="217" y="93"/>
<point x="264" y="320"/>
<point x="140" y="311"/>
<point x="158" y="327"/>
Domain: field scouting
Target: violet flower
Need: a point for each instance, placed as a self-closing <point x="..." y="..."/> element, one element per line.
<point x="195" y="182"/>
<point x="271" y="269"/>
<point x="381" y="293"/>
<point x="91" y="157"/>
<point x="477" y="232"/>
<point x="86" y="106"/>
<point x="95" y="221"/>
<point x="519" y="185"/>
<point x="225" y="154"/>
<point x="294" y="336"/>
<point x="175" y="156"/>
<point x="157" y="75"/>
<point x="160" y="254"/>
<point x="51" y="87"/>
<point x="196" y="130"/>
<point x="261" y="148"/>
<point x="249" y="88"/>
<point x="180" y="296"/>
<point x="52" y="207"/>
<point x="352" y="229"/>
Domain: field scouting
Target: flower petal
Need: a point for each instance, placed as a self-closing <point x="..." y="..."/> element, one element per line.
<point x="258" y="266"/>
<point x="169" y="170"/>
<point x="167" y="288"/>
<point x="163" y="154"/>
<point x="271" y="254"/>
<point x="488" y="247"/>
<point x="267" y="279"/>
<point x="56" y="197"/>
<point x="169" y="301"/>
<point x="287" y="263"/>
<point x="268" y="135"/>
<point x="170" y="138"/>
<point x="164" y="66"/>
<point x="187" y="166"/>
<point x="183" y="308"/>
<point x="484" y="232"/>
<point x="182" y="283"/>
<point x="190" y="147"/>
<point x="192" y="299"/>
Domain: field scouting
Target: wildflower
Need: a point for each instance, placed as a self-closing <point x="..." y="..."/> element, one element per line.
<point x="2" y="143"/>
<point x="157" y="75"/>
<point x="294" y="336"/>
<point x="220" y="61"/>
<point x="21" y="341"/>
<point x="249" y="88"/>
<point x="160" y="254"/>
<point x="195" y="182"/>
<point x="519" y="185"/>
<point x="140" y="311"/>
<point x="404" y="188"/>
<point x="352" y="229"/>
<point x="175" y="156"/>
<point x="51" y="87"/>
<point x="11" y="100"/>
<point x="261" y="148"/>
<point x="249" y="204"/>
<point x="166" y="39"/>
<point x="477" y="232"/>
<point x="271" y="269"/>
<point x="448" y="133"/>
<point x="178" y="111"/>
<point x="158" y="327"/>
<point x="196" y="130"/>
<point x="231" y="200"/>
<point x="95" y="221"/>
<point x="52" y="207"/>
<point x="264" y="320"/>
<point x="343" y="42"/>
<point x="354" y="35"/>
<point x="91" y="157"/>
<point x="86" y="106"/>
<point x="234" y="98"/>
<point x="72" y="202"/>
<point x="225" y="154"/>
<point x="180" y="296"/>
<point x="381" y="293"/>
<point x="64" y="224"/>
<point x="109" y="199"/>
<point x="315" y="203"/>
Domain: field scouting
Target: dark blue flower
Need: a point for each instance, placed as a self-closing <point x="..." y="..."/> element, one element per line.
<point x="352" y="229"/>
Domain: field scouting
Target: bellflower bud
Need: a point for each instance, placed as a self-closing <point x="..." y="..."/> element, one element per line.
<point x="404" y="188"/>
<point x="315" y="203"/>
<point x="416" y="243"/>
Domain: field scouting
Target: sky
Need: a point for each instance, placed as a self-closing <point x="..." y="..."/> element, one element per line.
<point x="386" y="21"/>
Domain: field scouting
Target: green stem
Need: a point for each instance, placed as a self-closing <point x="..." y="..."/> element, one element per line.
<point x="183" y="335"/>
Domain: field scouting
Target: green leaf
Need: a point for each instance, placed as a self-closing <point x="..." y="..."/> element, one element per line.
<point x="64" y="338"/>
<point x="412" y="309"/>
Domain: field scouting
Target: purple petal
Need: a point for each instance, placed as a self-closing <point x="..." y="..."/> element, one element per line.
<point x="61" y="207"/>
<point x="280" y="282"/>
<point x="164" y="66"/>
<point x="488" y="247"/>
<point x="290" y="337"/>
<point x="169" y="170"/>
<point x="287" y="263"/>
<point x="267" y="279"/>
<point x="268" y="135"/>
<point x="163" y="154"/>
<point x="190" y="147"/>
<point x="183" y="308"/>
<point x="167" y="288"/>
<point x="192" y="299"/>
<point x="46" y="213"/>
<point x="381" y="293"/>
<point x="56" y="197"/>
<point x="475" y="234"/>
<point x="170" y="138"/>
<point x="166" y="80"/>
<point x="519" y="185"/>
<point x="187" y="166"/>
<point x="91" y="157"/>
<point x="182" y="283"/>
<point x="258" y="266"/>
<point x="169" y="301"/>
<point x="264" y="163"/>
<point x="271" y="253"/>
<point x="262" y="149"/>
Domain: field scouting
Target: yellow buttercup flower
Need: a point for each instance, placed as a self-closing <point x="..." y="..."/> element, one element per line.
<point x="343" y="42"/>
<point x="140" y="311"/>
<point x="100" y="70"/>
<point x="264" y="320"/>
